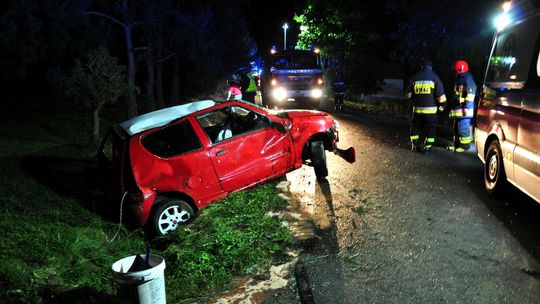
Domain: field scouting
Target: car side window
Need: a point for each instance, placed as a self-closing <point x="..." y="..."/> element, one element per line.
<point x="247" y="120"/>
<point x="172" y="140"/>
<point x="228" y="122"/>
<point x="216" y="124"/>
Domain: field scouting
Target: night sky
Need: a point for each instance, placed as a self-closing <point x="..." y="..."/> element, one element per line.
<point x="267" y="19"/>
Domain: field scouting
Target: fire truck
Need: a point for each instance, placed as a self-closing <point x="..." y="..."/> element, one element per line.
<point x="292" y="76"/>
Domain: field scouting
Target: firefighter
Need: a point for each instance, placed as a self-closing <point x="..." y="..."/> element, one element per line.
<point x="339" y="92"/>
<point x="426" y="91"/>
<point x="462" y="107"/>
<point x="249" y="86"/>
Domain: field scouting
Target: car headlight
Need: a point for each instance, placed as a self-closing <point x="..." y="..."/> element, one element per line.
<point x="316" y="93"/>
<point x="279" y="93"/>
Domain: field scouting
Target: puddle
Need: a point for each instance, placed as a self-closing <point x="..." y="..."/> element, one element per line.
<point x="255" y="290"/>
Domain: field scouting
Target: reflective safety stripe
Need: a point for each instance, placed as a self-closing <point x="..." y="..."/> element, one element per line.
<point x="470" y="97"/>
<point x="430" y="140"/>
<point x="415" y="137"/>
<point x="465" y="140"/>
<point x="441" y="98"/>
<point x="425" y="110"/>
<point x="461" y="113"/>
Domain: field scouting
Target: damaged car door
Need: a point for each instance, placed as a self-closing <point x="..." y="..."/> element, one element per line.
<point x="245" y="148"/>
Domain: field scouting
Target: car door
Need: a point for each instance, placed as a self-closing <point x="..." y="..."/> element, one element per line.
<point x="245" y="148"/>
<point x="527" y="152"/>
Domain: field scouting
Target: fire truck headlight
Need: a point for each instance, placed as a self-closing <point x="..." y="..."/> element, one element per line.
<point x="273" y="82"/>
<point x="279" y="94"/>
<point x="316" y="93"/>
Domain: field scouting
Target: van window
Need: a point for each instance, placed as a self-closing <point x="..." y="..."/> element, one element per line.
<point x="512" y="57"/>
<point x="533" y="81"/>
<point x="172" y="140"/>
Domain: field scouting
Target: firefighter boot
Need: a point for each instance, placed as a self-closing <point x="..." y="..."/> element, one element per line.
<point x="457" y="149"/>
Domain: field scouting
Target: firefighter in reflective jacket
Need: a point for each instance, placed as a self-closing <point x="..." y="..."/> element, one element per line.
<point x="427" y="93"/>
<point x="249" y="87"/>
<point x="462" y="107"/>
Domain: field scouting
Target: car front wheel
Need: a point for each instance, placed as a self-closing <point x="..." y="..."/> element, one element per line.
<point x="318" y="159"/>
<point x="168" y="215"/>
<point x="494" y="175"/>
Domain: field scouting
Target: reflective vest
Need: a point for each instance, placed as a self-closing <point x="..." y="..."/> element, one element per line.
<point x="464" y="94"/>
<point x="426" y="91"/>
<point x="252" y="87"/>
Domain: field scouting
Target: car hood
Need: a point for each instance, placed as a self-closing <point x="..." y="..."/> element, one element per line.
<point x="298" y="114"/>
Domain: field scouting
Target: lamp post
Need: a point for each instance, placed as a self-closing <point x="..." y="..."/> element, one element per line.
<point x="285" y="27"/>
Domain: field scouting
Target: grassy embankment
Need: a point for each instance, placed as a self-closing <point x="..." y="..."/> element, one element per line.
<point x="57" y="234"/>
<point x="394" y="108"/>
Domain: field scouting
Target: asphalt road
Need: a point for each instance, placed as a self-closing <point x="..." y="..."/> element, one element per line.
<point x="403" y="227"/>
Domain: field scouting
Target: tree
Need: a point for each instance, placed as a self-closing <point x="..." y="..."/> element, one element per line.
<point x="127" y="26"/>
<point x="347" y="37"/>
<point x="218" y="44"/>
<point x="95" y="82"/>
<point x="443" y="32"/>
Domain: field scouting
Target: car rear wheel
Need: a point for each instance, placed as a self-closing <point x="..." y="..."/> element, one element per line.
<point x="494" y="175"/>
<point x="168" y="215"/>
<point x="318" y="159"/>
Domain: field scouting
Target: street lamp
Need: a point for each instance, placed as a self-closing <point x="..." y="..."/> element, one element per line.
<point x="285" y="27"/>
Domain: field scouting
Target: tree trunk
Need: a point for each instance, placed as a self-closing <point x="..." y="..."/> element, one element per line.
<point x="150" y="79"/>
<point x="95" y="126"/>
<point x="132" y="98"/>
<point x="175" y="90"/>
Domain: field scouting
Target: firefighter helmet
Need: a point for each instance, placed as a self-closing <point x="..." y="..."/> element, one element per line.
<point x="461" y="67"/>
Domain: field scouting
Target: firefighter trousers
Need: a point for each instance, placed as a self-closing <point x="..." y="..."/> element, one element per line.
<point x="462" y="133"/>
<point x="423" y="129"/>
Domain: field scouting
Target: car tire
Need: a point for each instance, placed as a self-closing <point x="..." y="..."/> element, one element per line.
<point x="494" y="175"/>
<point x="168" y="215"/>
<point x="318" y="159"/>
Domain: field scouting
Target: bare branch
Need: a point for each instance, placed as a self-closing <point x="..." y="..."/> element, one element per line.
<point x="142" y="48"/>
<point x="164" y="58"/>
<point x="105" y="16"/>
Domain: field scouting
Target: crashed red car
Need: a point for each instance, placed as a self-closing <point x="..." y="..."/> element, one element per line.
<point x="169" y="163"/>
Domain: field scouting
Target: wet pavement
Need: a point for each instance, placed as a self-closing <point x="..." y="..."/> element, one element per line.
<point x="404" y="227"/>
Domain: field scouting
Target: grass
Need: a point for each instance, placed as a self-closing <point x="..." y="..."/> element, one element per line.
<point x="394" y="108"/>
<point x="56" y="228"/>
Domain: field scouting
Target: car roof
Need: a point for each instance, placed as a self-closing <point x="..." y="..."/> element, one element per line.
<point x="164" y="116"/>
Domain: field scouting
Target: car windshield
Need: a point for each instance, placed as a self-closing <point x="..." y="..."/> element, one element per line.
<point x="295" y="61"/>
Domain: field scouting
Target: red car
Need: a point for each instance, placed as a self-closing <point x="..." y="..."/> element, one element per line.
<point x="169" y="163"/>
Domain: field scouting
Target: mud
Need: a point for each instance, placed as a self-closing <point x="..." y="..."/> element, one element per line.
<point x="278" y="285"/>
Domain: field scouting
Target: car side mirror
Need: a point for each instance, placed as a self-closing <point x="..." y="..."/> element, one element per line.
<point x="281" y="128"/>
